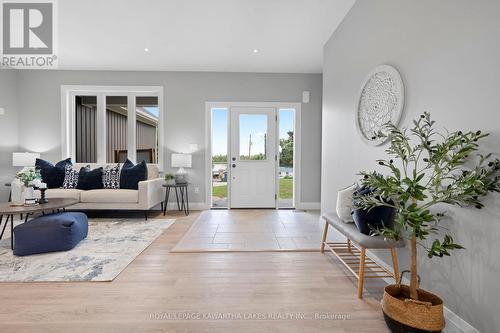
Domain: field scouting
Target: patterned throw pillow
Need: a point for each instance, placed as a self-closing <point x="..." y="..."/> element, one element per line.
<point x="70" y="177"/>
<point x="111" y="177"/>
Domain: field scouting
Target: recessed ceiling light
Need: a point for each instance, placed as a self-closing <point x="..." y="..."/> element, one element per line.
<point x="146" y="50"/>
<point x="255" y="51"/>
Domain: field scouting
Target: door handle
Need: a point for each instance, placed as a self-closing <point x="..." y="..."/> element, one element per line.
<point x="234" y="165"/>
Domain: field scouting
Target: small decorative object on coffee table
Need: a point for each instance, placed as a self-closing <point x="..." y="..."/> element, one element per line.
<point x="42" y="188"/>
<point x="29" y="177"/>
<point x="182" y="190"/>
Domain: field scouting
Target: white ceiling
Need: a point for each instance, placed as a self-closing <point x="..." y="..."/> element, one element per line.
<point x="197" y="35"/>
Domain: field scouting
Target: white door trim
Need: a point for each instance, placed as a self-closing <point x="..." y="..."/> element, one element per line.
<point x="297" y="155"/>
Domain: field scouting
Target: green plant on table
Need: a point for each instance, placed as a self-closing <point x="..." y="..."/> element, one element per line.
<point x="28" y="175"/>
<point x="169" y="177"/>
<point x="426" y="168"/>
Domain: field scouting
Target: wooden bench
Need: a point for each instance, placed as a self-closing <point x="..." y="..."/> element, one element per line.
<point x="353" y="252"/>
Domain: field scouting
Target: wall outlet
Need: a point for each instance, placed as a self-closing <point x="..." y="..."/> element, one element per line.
<point x="197" y="190"/>
<point x="2" y="111"/>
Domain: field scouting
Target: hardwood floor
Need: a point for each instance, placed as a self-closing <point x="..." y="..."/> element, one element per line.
<point x="232" y="287"/>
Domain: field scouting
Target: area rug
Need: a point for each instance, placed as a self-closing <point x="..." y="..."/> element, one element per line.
<point x="111" y="245"/>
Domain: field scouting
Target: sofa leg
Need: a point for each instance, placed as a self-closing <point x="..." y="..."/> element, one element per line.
<point x="361" y="275"/>
<point x="323" y="240"/>
<point x="146" y="215"/>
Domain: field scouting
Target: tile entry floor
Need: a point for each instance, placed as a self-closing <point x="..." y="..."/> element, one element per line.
<point x="253" y="230"/>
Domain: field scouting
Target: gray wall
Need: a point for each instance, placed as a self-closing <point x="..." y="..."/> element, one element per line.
<point x="8" y="129"/>
<point x="185" y="97"/>
<point x="448" y="53"/>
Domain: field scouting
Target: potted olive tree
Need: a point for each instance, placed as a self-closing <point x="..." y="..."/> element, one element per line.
<point x="426" y="167"/>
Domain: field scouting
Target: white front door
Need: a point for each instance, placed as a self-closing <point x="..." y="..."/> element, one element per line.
<point x="253" y="157"/>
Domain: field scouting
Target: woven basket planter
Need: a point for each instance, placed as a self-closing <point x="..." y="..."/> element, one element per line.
<point x="404" y="315"/>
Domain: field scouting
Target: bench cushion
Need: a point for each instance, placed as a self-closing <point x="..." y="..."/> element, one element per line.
<point x="350" y="231"/>
<point x="50" y="233"/>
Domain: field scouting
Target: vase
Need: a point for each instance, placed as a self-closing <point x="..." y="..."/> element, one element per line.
<point x="28" y="193"/>
<point x="170" y="182"/>
<point x="16" y="188"/>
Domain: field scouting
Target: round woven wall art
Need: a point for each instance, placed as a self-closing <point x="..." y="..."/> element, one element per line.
<point x="381" y="100"/>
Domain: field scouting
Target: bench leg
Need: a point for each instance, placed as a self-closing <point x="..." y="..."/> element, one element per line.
<point x="349" y="245"/>
<point x="323" y="240"/>
<point x="395" y="264"/>
<point x="361" y="275"/>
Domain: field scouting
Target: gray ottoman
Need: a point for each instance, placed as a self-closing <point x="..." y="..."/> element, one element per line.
<point x="50" y="233"/>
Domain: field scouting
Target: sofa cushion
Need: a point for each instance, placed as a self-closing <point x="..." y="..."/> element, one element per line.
<point x="153" y="171"/>
<point x="131" y="175"/>
<point x="110" y="196"/>
<point x="90" y="179"/>
<point x="53" y="175"/>
<point x="70" y="193"/>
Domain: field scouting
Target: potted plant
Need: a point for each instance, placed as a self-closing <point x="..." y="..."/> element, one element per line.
<point x="427" y="167"/>
<point x="27" y="177"/>
<point x="170" y="179"/>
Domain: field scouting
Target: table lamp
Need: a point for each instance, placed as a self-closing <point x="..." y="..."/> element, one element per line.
<point x="24" y="159"/>
<point x="181" y="161"/>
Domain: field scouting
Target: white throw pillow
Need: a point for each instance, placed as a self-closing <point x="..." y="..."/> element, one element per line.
<point x="344" y="203"/>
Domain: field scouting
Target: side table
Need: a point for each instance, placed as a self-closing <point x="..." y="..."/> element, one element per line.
<point x="180" y="190"/>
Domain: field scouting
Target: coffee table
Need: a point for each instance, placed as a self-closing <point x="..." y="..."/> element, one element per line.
<point x="6" y="208"/>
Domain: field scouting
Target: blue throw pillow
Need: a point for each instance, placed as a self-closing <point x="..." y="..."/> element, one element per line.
<point x="131" y="175"/>
<point x="53" y="175"/>
<point x="90" y="179"/>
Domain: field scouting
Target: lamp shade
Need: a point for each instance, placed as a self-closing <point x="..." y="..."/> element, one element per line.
<point x="24" y="159"/>
<point x="182" y="160"/>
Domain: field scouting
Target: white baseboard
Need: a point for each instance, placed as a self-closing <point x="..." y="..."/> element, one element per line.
<point x="308" y="205"/>
<point x="205" y="206"/>
<point x="192" y="206"/>
<point x="458" y="322"/>
<point x="453" y="321"/>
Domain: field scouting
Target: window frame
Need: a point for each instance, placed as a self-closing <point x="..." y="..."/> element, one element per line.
<point x="68" y="127"/>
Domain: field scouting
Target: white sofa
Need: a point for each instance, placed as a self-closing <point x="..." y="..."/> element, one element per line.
<point x="149" y="194"/>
